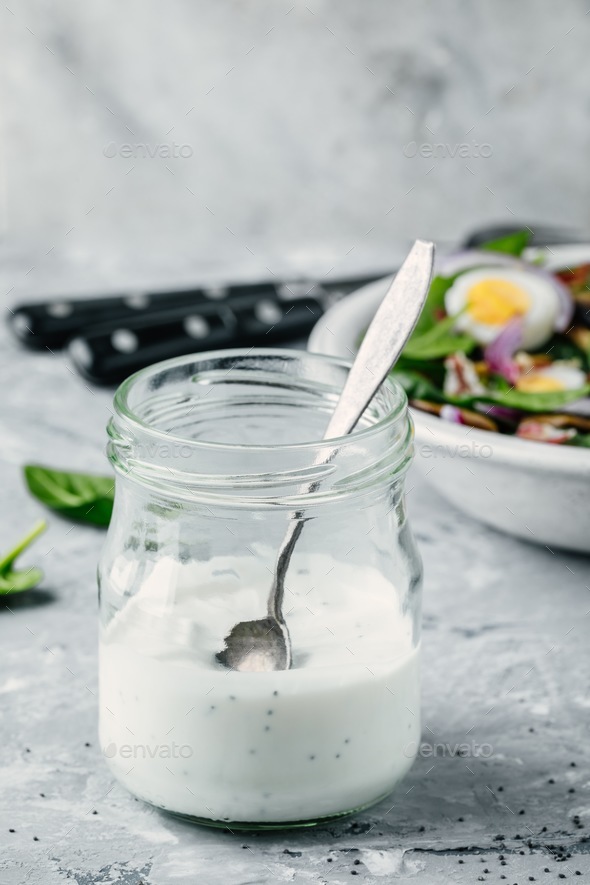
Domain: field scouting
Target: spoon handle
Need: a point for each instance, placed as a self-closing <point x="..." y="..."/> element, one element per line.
<point x="385" y="338"/>
<point x="384" y="341"/>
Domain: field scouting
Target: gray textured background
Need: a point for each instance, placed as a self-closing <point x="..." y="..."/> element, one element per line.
<point x="296" y="120"/>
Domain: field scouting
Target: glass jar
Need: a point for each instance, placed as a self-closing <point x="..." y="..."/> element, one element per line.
<point x="214" y="456"/>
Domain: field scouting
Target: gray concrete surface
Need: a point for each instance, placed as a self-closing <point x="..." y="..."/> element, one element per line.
<point x="506" y="673"/>
<point x="296" y="158"/>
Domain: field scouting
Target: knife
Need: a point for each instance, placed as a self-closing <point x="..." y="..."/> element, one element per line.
<point x="108" y="353"/>
<point x="50" y="324"/>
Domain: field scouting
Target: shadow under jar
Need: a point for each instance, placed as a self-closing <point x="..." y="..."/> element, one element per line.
<point x="214" y="455"/>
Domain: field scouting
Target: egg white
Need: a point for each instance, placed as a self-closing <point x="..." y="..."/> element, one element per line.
<point x="538" y="322"/>
<point x="570" y="377"/>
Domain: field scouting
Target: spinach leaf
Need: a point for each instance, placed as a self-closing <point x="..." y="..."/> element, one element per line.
<point x="534" y="402"/>
<point x="12" y="581"/>
<point x="417" y="386"/>
<point x="435" y="304"/>
<point x="434" y="370"/>
<point x="82" y="497"/>
<point x="438" y="341"/>
<point x="581" y="440"/>
<point x="513" y="244"/>
<point x="562" y="348"/>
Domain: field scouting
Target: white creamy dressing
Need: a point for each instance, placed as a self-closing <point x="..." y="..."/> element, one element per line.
<point x="332" y="734"/>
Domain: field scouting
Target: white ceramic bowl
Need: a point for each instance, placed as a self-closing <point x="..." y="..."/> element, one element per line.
<point x="537" y="491"/>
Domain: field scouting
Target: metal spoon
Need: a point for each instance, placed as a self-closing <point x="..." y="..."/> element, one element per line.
<point x="265" y="644"/>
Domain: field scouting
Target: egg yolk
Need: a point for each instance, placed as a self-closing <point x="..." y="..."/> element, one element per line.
<point x="494" y="301"/>
<point x="537" y="382"/>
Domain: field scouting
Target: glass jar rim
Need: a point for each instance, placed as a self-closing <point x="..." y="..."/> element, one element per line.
<point x="359" y="434"/>
<point x="278" y="472"/>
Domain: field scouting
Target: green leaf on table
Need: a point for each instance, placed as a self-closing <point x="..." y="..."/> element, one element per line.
<point x="13" y="581"/>
<point x="512" y="244"/>
<point x="82" y="497"/>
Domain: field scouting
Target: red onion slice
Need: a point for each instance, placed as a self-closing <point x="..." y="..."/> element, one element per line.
<point x="498" y="355"/>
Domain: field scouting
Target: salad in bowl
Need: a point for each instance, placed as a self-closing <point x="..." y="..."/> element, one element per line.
<point x="503" y="345"/>
<point x="497" y="375"/>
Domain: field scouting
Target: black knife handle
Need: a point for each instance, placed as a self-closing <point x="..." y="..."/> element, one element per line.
<point x="51" y="324"/>
<point x="109" y="354"/>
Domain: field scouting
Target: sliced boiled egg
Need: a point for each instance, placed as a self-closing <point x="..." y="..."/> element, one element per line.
<point x="486" y="300"/>
<point x="558" y="376"/>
